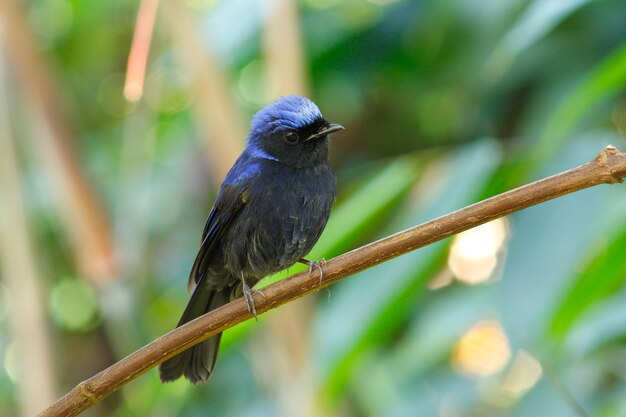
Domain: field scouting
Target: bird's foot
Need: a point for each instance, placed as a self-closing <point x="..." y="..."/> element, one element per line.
<point x="315" y="264"/>
<point x="248" y="295"/>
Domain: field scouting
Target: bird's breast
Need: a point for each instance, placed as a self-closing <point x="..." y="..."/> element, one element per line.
<point x="286" y="212"/>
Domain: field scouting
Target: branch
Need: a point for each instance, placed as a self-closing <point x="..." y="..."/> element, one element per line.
<point x="608" y="167"/>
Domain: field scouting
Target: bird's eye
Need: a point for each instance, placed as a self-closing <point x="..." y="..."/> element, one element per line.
<point x="291" y="137"/>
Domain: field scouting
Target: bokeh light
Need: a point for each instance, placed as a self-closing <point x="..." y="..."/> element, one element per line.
<point x="74" y="305"/>
<point x="51" y="19"/>
<point x="168" y="90"/>
<point x="525" y="372"/>
<point x="474" y="253"/>
<point x="482" y="351"/>
<point x="254" y="86"/>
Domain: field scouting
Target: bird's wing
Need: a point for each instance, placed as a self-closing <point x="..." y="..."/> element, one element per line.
<point x="231" y="199"/>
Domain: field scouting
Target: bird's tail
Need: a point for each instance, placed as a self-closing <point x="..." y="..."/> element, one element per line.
<point x="197" y="362"/>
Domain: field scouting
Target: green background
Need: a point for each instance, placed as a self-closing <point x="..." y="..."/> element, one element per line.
<point x="444" y="103"/>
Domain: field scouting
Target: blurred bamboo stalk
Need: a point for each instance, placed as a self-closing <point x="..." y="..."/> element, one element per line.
<point x="282" y="48"/>
<point x="220" y="121"/>
<point x="282" y="359"/>
<point x="83" y="217"/>
<point x="287" y="346"/>
<point x="139" y="50"/>
<point x="131" y="223"/>
<point x="27" y="316"/>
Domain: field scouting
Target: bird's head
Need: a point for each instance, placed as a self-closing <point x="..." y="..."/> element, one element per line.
<point x="291" y="130"/>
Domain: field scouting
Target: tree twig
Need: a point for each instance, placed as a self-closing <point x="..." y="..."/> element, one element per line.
<point x="608" y="167"/>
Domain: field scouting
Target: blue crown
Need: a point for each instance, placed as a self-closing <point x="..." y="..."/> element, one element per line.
<point x="286" y="113"/>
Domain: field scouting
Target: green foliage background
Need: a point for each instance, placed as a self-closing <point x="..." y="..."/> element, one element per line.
<point x="444" y="103"/>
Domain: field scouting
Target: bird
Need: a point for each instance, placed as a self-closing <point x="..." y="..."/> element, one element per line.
<point x="270" y="210"/>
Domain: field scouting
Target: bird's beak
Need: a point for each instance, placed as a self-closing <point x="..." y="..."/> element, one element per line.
<point x="326" y="130"/>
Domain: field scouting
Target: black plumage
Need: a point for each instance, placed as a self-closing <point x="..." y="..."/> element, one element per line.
<point x="271" y="209"/>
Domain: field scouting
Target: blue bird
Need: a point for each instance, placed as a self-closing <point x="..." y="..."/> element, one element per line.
<point x="271" y="209"/>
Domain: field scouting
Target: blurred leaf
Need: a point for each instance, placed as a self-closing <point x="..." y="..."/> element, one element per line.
<point x="606" y="80"/>
<point x="599" y="325"/>
<point x="539" y="18"/>
<point x="548" y="245"/>
<point x="351" y="219"/>
<point x="414" y="366"/>
<point x="382" y="298"/>
<point x="600" y="278"/>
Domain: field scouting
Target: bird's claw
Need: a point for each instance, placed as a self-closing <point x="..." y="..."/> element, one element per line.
<point x="248" y="294"/>
<point x="317" y="265"/>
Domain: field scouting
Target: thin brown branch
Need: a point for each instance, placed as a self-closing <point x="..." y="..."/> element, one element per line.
<point x="607" y="168"/>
